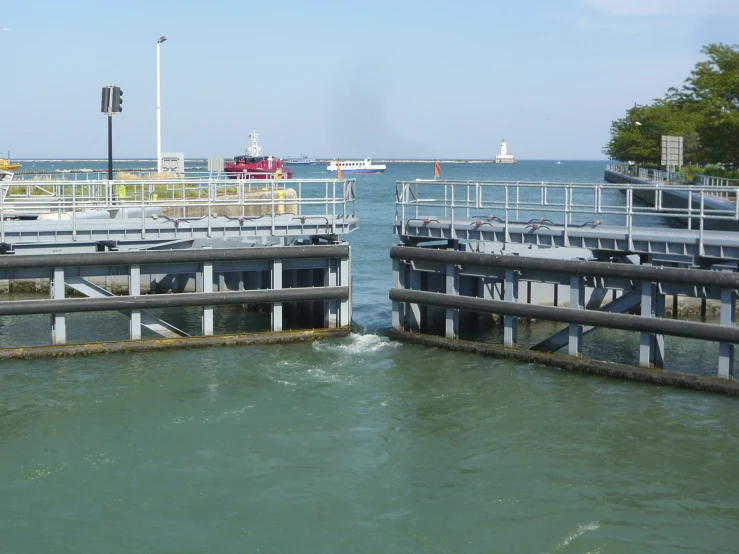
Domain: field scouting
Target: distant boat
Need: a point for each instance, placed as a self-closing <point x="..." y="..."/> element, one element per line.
<point x="255" y="166"/>
<point x="354" y="166"/>
<point x="559" y="163"/>
<point x="7" y="165"/>
<point x="302" y="160"/>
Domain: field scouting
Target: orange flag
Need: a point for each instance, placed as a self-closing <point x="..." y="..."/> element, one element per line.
<point x="339" y="175"/>
<point x="437" y="169"/>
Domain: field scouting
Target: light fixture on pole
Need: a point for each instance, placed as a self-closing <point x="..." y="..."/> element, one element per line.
<point x="159" y="110"/>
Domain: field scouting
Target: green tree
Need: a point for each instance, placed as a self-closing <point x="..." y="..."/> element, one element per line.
<point x="637" y="137"/>
<point x="713" y="88"/>
<point x="705" y="112"/>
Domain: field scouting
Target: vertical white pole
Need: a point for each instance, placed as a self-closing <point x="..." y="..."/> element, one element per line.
<point x="58" y="321"/>
<point x="134" y="289"/>
<point x="277" y="285"/>
<point x="510" y="329"/>
<point x="452" y="289"/>
<point x="207" y="310"/>
<point x="159" y="116"/>
<point x="577" y="302"/>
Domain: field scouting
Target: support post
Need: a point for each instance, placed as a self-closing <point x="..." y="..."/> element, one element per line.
<point x="486" y="288"/>
<point x="277" y="285"/>
<point x="659" y="339"/>
<point x="451" y="325"/>
<point x="646" y="340"/>
<point x="577" y="302"/>
<point x="398" y="317"/>
<point x="725" y="350"/>
<point x="110" y="150"/>
<point x="58" y="321"/>
<point x="345" y="305"/>
<point x="414" y="310"/>
<point x="510" y="332"/>
<point x="134" y="289"/>
<point x="330" y="279"/>
<point x="674" y="306"/>
<point x="207" y="271"/>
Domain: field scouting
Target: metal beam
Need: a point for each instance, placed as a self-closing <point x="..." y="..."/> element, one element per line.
<point x="660" y="274"/>
<point x="152" y="323"/>
<point x="559" y="339"/>
<point x="266" y="296"/>
<point x="687" y="329"/>
<point x="174" y="256"/>
<point x="617" y="239"/>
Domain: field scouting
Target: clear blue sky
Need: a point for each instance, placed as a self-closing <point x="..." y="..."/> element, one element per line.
<point x="390" y="78"/>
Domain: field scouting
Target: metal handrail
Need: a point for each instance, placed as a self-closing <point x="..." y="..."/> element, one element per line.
<point x="673" y="177"/>
<point x="566" y="204"/>
<point x="152" y="199"/>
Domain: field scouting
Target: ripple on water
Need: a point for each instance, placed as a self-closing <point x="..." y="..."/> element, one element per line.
<point x="578" y="532"/>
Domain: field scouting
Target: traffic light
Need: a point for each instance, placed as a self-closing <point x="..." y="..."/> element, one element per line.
<point x="105" y="102"/>
<point x="117" y="105"/>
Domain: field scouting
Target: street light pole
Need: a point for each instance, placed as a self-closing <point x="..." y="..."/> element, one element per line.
<point x="159" y="110"/>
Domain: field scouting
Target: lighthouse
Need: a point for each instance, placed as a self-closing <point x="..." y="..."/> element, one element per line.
<point x="504" y="157"/>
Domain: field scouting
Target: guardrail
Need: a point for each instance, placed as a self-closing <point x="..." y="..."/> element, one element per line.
<point x="674" y="177"/>
<point x="87" y="174"/>
<point x="194" y="198"/>
<point x="211" y="268"/>
<point x="646" y="281"/>
<point x="537" y="204"/>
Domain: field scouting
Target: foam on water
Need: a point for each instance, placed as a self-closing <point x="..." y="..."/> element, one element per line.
<point x="356" y="344"/>
<point x="579" y="531"/>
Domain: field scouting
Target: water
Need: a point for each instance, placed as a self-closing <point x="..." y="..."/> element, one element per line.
<point x="361" y="444"/>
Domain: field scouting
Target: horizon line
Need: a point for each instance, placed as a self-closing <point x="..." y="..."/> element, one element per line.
<point x="321" y="159"/>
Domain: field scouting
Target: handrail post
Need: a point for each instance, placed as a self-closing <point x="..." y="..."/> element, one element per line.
<point x="2" y="211"/>
<point x="566" y="238"/>
<point x="453" y="232"/>
<point x="74" y="212"/>
<point x="143" y="210"/>
<point x="630" y="216"/>
<point x="506" y="235"/>
<point x="700" y="232"/>
<point x="333" y="208"/>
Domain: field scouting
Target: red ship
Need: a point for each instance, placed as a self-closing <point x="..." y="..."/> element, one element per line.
<point x="253" y="166"/>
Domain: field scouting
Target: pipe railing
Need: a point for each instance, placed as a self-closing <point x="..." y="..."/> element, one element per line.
<point x="537" y="204"/>
<point x="305" y="199"/>
<point x="674" y="177"/>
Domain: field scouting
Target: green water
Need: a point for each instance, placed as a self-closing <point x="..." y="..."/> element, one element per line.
<point x="357" y="445"/>
<point x="360" y="444"/>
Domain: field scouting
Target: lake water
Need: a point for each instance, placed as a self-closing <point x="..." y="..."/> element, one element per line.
<point x="362" y="444"/>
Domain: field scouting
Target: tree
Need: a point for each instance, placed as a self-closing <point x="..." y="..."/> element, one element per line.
<point x="713" y="90"/>
<point x="637" y="137"/>
<point x="705" y="112"/>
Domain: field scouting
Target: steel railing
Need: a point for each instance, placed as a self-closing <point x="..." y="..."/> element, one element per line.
<point x="330" y="200"/>
<point x="563" y="204"/>
<point x="676" y="177"/>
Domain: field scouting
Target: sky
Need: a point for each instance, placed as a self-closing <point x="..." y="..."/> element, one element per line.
<point x="388" y="79"/>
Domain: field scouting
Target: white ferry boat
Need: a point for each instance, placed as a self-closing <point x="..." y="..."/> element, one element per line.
<point x="302" y="160"/>
<point x="354" y="166"/>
